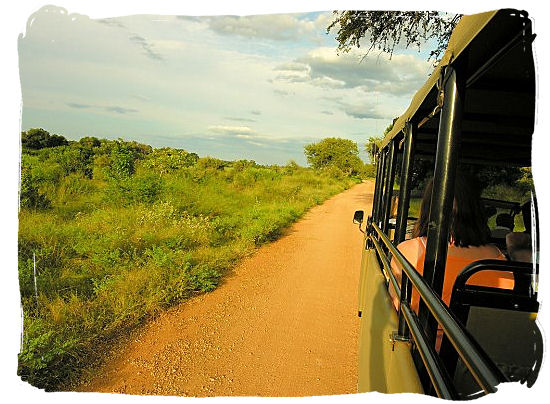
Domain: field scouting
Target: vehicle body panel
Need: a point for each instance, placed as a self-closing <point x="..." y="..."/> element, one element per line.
<point x="384" y="366"/>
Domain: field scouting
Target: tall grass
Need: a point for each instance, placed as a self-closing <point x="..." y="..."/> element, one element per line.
<point x="114" y="250"/>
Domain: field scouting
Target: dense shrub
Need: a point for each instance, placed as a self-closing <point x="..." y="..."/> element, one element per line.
<point x="30" y="196"/>
<point x="123" y="160"/>
<point x="369" y="171"/>
<point x="241" y="165"/>
<point x="144" y="188"/>
<point x="167" y="160"/>
<point x="291" y="167"/>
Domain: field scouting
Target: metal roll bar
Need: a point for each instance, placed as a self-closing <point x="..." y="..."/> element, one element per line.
<point x="438" y="375"/>
<point x="484" y="371"/>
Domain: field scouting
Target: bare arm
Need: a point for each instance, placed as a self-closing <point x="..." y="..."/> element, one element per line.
<point x="409" y="249"/>
<point x="393" y="293"/>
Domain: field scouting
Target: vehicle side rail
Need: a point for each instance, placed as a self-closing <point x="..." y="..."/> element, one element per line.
<point x="437" y="373"/>
<point x="523" y="298"/>
<point x="523" y="275"/>
<point x="484" y="371"/>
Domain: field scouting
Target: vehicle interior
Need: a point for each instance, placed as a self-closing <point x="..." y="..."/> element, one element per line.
<point x="477" y="109"/>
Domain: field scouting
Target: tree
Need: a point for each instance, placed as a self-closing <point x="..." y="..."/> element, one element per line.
<point x="38" y="138"/>
<point x="334" y="152"/>
<point x="90" y="142"/>
<point x="386" y="29"/>
<point x="372" y="146"/>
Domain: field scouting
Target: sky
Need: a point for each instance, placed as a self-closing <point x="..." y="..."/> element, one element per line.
<point x="254" y="87"/>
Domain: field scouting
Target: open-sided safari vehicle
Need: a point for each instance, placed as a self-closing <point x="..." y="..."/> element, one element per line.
<point x="476" y="108"/>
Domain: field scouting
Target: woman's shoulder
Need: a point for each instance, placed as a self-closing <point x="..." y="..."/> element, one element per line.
<point x="408" y="243"/>
<point x="409" y="247"/>
<point x="482" y="251"/>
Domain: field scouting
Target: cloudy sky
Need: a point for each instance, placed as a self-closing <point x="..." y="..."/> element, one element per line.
<point x="255" y="87"/>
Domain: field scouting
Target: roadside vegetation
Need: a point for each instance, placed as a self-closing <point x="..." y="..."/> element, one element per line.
<point x="113" y="232"/>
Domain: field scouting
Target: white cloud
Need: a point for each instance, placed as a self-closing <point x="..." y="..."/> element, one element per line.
<point x="257" y="144"/>
<point x="238" y="131"/>
<point x="146" y="46"/>
<point x="283" y="93"/>
<point x="327" y="82"/>
<point x="302" y="73"/>
<point x="278" y="27"/>
<point x="364" y="111"/>
<point x="239" y="119"/>
<point x="293" y="67"/>
<point x="401" y="75"/>
<point x="168" y="45"/>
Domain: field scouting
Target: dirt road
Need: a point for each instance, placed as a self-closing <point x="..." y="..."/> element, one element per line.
<point x="284" y="323"/>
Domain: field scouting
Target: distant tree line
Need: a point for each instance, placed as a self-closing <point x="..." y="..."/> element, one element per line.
<point x="38" y="138"/>
<point x="52" y="166"/>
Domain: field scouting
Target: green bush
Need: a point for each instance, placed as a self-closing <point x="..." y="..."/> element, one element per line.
<point x="369" y="171"/>
<point x="167" y="160"/>
<point x="144" y="188"/>
<point x="29" y="194"/>
<point x="334" y="172"/>
<point x="123" y="160"/>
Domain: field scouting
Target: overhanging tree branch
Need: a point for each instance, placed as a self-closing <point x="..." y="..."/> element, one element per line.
<point x="386" y="29"/>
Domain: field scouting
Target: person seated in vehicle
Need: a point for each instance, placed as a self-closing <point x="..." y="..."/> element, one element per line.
<point x="504" y="225"/>
<point x="518" y="244"/>
<point x="519" y="247"/>
<point x="468" y="242"/>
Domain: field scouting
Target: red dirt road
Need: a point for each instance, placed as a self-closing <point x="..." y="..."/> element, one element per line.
<point x="284" y="323"/>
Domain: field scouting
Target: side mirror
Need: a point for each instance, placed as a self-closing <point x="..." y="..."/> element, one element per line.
<point x="358" y="218"/>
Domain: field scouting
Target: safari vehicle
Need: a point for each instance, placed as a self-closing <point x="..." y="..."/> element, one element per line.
<point x="476" y="108"/>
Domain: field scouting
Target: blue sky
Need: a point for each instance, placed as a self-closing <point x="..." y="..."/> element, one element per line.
<point x="255" y="87"/>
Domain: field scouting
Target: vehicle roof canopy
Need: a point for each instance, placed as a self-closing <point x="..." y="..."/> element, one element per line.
<point x="499" y="104"/>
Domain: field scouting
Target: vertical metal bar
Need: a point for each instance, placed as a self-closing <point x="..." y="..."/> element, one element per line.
<point x="402" y="214"/>
<point x="405" y="184"/>
<point x="446" y="159"/>
<point x="388" y="190"/>
<point x="380" y="187"/>
<point x="377" y="188"/>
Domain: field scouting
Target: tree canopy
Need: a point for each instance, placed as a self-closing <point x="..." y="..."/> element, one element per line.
<point x="38" y="138"/>
<point x="340" y="153"/>
<point x="373" y="144"/>
<point x="384" y="30"/>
